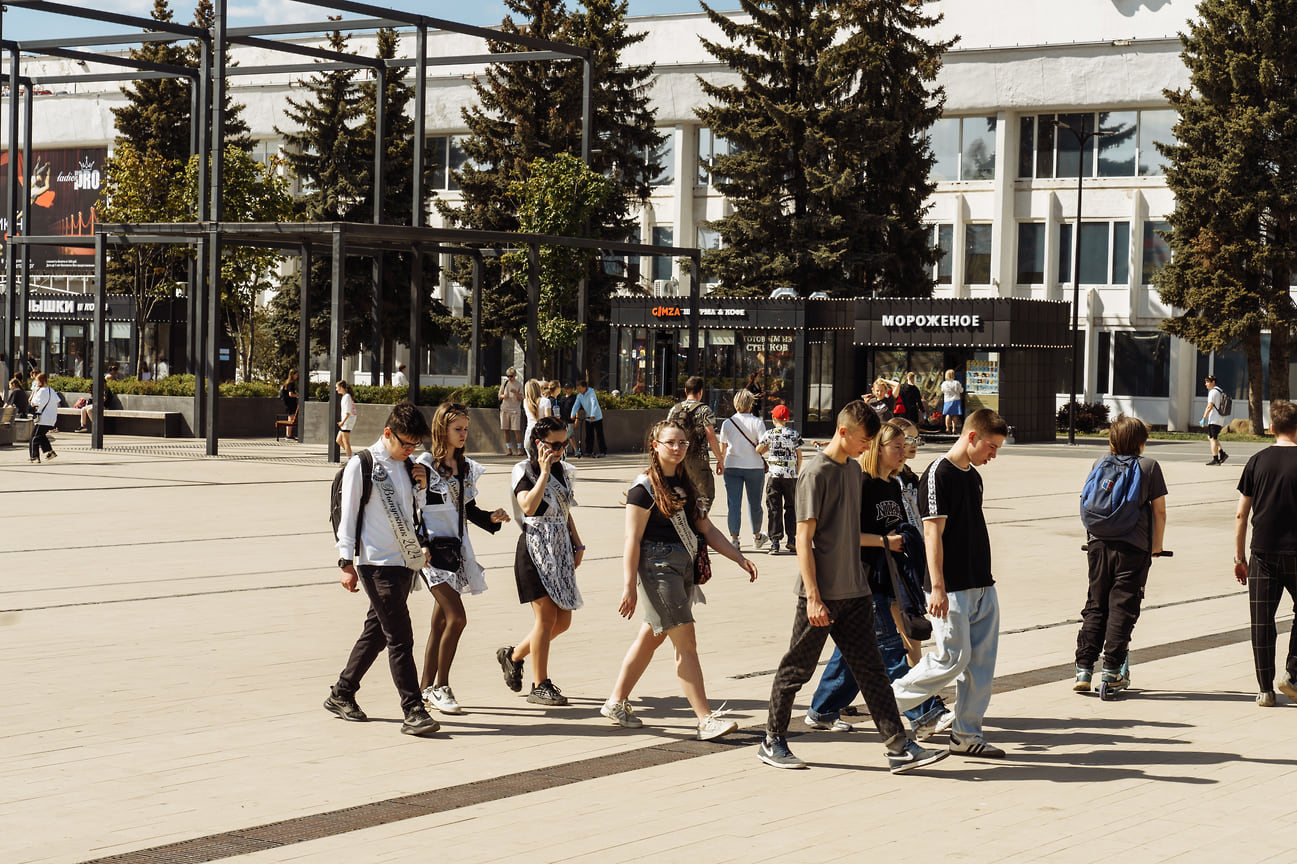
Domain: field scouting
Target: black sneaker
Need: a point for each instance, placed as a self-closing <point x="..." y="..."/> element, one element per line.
<point x="1215" y="460"/>
<point x="774" y="751"/>
<point x="1223" y="457"/>
<point x="419" y="722"/>
<point x="545" y="693"/>
<point x="512" y="670"/>
<point x="345" y="707"/>
<point x="913" y="756"/>
<point x="792" y="549"/>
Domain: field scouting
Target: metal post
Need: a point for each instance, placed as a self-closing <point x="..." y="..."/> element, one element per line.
<point x="213" y="362"/>
<point x="587" y="83"/>
<point x="420" y="118"/>
<point x="97" y="385"/>
<point x="1076" y="297"/>
<point x="695" y="300"/>
<point x="533" y="311"/>
<point x="24" y="287"/>
<point x="213" y="305"/>
<point x="11" y="215"/>
<point x="303" y="340"/>
<point x="335" y="342"/>
<point x="198" y="350"/>
<point x="414" y="369"/>
<point x="376" y="299"/>
<point x="475" y="338"/>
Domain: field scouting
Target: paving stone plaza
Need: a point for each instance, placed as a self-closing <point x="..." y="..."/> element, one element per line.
<point x="170" y="624"/>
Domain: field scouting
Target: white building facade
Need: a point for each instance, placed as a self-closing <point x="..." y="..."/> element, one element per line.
<point x="1006" y="170"/>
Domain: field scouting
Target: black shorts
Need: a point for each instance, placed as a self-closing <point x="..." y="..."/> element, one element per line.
<point x="1213" y="431"/>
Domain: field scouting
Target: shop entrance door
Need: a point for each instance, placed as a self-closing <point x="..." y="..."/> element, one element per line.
<point x="666" y="358"/>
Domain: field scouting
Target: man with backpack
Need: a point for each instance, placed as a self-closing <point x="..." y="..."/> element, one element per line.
<point x="379" y="549"/>
<point x="1123" y="509"/>
<point x="1214" y="418"/>
<point x="699" y="420"/>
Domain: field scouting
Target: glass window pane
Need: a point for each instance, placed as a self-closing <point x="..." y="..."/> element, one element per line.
<point x="978" y="149"/>
<point x="1105" y="361"/>
<point x="1065" y="253"/>
<point x="1154" y="126"/>
<point x="704" y="154"/>
<point x="662" y="263"/>
<point x="945" y="149"/>
<point x="946" y="243"/>
<point x="1045" y="145"/>
<point x="1027" y="147"/>
<point x="1094" y="253"/>
<point x="456" y="160"/>
<point x="977" y="254"/>
<point x="1120" y="253"/>
<point x="1031" y="253"/>
<point x="665" y="157"/>
<point x="1117" y="148"/>
<point x="434" y="161"/>
<point x="1156" y="250"/>
<point x="1141" y="364"/>
<point x="1072" y="132"/>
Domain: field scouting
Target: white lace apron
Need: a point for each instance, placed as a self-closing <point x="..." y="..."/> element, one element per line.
<point x="441" y="519"/>
<point x="548" y="540"/>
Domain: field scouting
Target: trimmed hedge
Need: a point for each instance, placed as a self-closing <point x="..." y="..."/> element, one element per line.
<point x="172" y="385"/>
<point x="1090" y="417"/>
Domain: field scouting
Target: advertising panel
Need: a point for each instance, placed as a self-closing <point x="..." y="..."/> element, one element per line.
<point x="65" y="185"/>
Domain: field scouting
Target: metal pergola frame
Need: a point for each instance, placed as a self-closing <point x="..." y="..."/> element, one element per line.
<point x="208" y="96"/>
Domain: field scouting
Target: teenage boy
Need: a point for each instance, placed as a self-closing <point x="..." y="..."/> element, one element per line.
<point x="699" y="421"/>
<point x="383" y="561"/>
<point x="834" y="598"/>
<point x="961" y="591"/>
<point x="782" y="449"/>
<point x="1268" y="490"/>
<point x="588" y="401"/>
<point x="1213" y="419"/>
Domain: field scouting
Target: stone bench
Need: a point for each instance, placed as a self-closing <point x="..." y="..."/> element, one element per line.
<point x="159" y="424"/>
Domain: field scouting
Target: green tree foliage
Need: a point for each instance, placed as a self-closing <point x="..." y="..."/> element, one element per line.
<point x="1234" y="174"/>
<point x="828" y="132"/>
<point x="531" y="111"/>
<point x="156" y="116"/>
<point x="237" y="133"/>
<point x="560" y="196"/>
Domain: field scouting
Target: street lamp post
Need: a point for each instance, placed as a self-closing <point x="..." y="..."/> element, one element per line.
<point x="1082" y="138"/>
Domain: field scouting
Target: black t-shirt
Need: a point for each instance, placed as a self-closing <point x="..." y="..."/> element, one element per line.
<point x="881" y="512"/>
<point x="659" y="528"/>
<point x="966" y="546"/>
<point x="1270" y="480"/>
<point x="527" y="483"/>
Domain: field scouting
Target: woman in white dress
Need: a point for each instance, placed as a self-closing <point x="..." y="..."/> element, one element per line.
<point x="446" y="500"/>
<point x="348" y="422"/>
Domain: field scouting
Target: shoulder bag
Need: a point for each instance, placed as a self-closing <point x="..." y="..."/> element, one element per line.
<point x="447" y="553"/>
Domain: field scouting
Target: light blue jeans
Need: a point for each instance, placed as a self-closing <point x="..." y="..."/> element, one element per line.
<point x="967" y="642"/>
<point x="736" y="480"/>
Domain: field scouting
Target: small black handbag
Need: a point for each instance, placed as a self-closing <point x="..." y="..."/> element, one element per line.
<point x="447" y="553"/>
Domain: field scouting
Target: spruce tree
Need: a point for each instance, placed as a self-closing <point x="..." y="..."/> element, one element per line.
<point x="237" y="133"/>
<point x="157" y="114"/>
<point x="829" y="155"/>
<point x="1234" y="228"/>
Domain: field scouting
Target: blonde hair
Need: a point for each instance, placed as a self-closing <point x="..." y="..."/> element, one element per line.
<point x="743" y="401"/>
<point x="870" y="459"/>
<point x="447" y="413"/>
<point x="950" y="373"/>
<point x="531" y="394"/>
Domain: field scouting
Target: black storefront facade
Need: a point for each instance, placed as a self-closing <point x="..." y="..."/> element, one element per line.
<point x="816" y="355"/>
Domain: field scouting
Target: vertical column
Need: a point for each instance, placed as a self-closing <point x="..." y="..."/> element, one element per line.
<point x="533" y="311"/>
<point x="11" y="215"/>
<point x="97" y="384"/>
<point x="475" y="339"/>
<point x="303" y="340"/>
<point x="1004" y="227"/>
<point x="418" y="308"/>
<point x="376" y="298"/>
<point x="335" y="341"/>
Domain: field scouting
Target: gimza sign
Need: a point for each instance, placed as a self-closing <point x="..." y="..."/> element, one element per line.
<point x="932" y="320"/>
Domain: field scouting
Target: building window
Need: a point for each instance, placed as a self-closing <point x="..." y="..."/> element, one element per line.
<point x="664" y="155"/>
<point x="434" y="161"/>
<point x="1117" y="144"/>
<point x="1047" y="150"/>
<point x="1105" y="253"/>
<point x="710" y="146"/>
<point x="1154" y="127"/>
<point x="943" y="240"/>
<point x="977" y="254"/>
<point x="1156" y="250"/>
<point x="1104" y="365"/>
<point x="456" y="158"/>
<point x="963" y="148"/>
<point x="1073" y="158"/>
<point x="661" y="267"/>
<point x="1141" y="363"/>
<point x="1031" y="253"/>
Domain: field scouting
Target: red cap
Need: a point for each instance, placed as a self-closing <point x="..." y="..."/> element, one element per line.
<point x="780" y="413"/>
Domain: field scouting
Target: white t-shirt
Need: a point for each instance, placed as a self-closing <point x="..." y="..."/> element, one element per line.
<point x="1214" y="417"/>
<point x="348" y="413"/>
<point x="741" y="452"/>
<point x="399" y="379"/>
<point x="951" y="390"/>
<point x="46" y="404"/>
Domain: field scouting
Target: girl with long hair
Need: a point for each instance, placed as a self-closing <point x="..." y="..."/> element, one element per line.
<point x="532" y="393"/>
<point x="348" y="411"/>
<point x="665" y="529"/>
<point x="448" y="499"/>
<point x="549" y="551"/>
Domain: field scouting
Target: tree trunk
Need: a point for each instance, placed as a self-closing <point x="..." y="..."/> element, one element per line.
<point x="1252" y="349"/>
<point x="1280" y="356"/>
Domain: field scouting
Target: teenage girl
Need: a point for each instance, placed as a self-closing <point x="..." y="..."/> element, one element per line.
<point x="451" y="482"/>
<point x="532" y="393"/>
<point x="664" y="530"/>
<point x="549" y="551"/>
<point x="348" y="421"/>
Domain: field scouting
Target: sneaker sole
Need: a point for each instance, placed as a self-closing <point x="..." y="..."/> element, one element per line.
<point x="420" y="730"/>
<point x="547" y="703"/>
<point x="770" y="760"/>
<point x="1288" y="689"/>
<point x="1082" y="687"/>
<point x="712" y="736"/>
<point x="632" y="725"/>
<point x="978" y="753"/>
<point x="937" y="756"/>
<point x="455" y="710"/>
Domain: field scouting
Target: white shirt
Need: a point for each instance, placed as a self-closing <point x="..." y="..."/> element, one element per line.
<point x="377" y="542"/>
<point x="399" y="379"/>
<point x="740" y="452"/>
<point x="951" y="390"/>
<point x="46" y="404"/>
<point x="1214" y="417"/>
<point x="348" y="411"/>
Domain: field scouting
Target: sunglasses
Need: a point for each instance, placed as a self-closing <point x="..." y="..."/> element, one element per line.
<point x="911" y="441"/>
<point x="554" y="445"/>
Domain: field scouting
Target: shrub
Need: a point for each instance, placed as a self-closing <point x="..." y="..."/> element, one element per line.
<point x="1090" y="417"/>
<point x="172" y="385"/>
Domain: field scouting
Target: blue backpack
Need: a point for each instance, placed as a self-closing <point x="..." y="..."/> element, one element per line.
<point x="1110" y="503"/>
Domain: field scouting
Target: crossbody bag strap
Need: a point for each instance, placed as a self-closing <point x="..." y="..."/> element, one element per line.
<point x="744" y="434"/>
<point x="462" y="481"/>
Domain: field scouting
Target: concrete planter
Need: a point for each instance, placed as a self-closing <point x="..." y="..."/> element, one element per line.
<point x="240" y="416"/>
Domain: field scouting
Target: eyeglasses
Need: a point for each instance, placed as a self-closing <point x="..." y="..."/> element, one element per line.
<point x="911" y="441"/>
<point x="554" y="445"/>
<point x="675" y="444"/>
<point x="408" y="445"/>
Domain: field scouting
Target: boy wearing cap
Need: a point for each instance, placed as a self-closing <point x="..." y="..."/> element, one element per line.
<point x="782" y="449"/>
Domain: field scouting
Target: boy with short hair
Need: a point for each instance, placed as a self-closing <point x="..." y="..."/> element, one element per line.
<point x="834" y="598"/>
<point x="961" y="590"/>
<point x="782" y="449"/>
<point x="383" y="560"/>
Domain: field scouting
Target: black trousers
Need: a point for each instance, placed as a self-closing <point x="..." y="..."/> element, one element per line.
<point x="593" y="428"/>
<point x="1118" y="574"/>
<point x="852" y="628"/>
<point x="780" y="513"/>
<point x="40" y="441"/>
<point x="386" y="626"/>
<point x="1268" y="576"/>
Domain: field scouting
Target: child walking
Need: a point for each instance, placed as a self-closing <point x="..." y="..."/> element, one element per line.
<point x="449" y="497"/>
<point x="549" y="551"/>
<point x="665" y="532"/>
<point x="782" y="449"/>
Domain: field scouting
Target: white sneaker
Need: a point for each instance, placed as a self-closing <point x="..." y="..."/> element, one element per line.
<point x="620" y="713"/>
<point x="838" y="725"/>
<point x="712" y="726"/>
<point x="442" y="699"/>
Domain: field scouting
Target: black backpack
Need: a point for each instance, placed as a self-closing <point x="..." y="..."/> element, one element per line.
<point x="1226" y="403"/>
<point x="335" y="494"/>
<point x="688" y="418"/>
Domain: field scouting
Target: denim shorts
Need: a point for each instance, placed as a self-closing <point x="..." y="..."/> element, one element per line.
<point x="666" y="585"/>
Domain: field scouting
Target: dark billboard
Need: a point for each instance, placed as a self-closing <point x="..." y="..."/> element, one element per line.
<point x="65" y="185"/>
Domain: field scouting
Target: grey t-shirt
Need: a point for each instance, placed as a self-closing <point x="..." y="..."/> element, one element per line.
<point x="829" y="493"/>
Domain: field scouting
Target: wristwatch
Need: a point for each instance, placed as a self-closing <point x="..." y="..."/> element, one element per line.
<point x="344" y="562"/>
